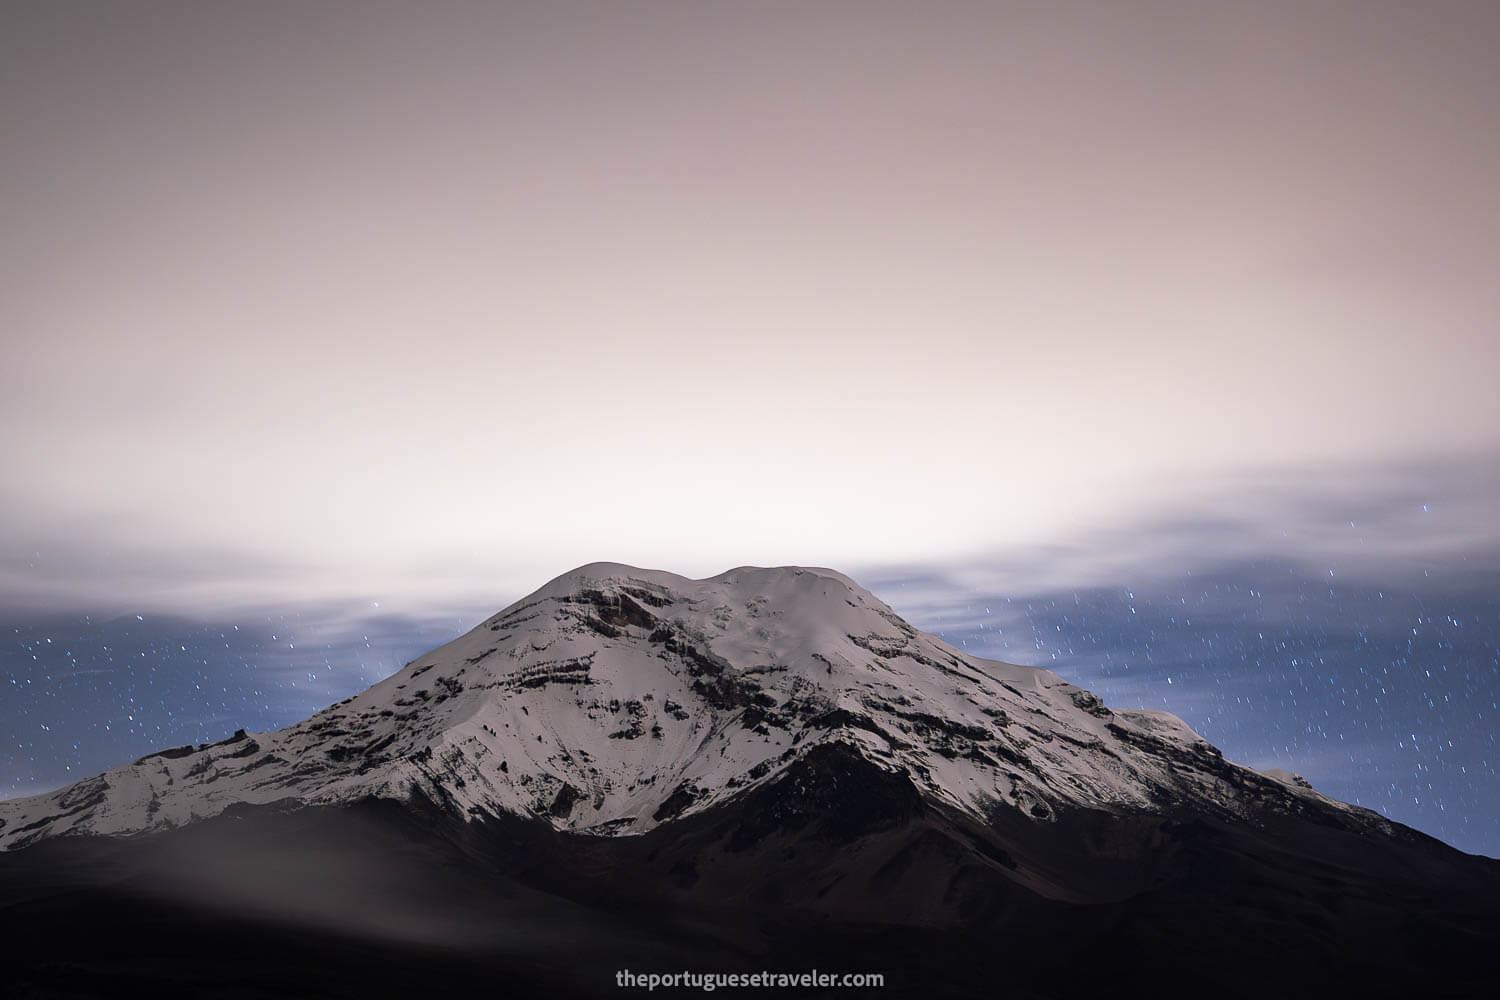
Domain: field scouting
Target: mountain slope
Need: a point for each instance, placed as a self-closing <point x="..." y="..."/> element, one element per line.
<point x="766" y="770"/>
<point x="614" y="699"/>
<point x="836" y="865"/>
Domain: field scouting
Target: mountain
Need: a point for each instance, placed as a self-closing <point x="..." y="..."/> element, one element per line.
<point x="766" y="766"/>
<point x="616" y="699"/>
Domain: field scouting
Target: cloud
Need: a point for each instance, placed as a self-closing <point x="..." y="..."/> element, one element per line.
<point x="1394" y="522"/>
<point x="1361" y="655"/>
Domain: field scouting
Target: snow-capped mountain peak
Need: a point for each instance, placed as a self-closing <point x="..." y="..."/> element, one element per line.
<point x="615" y="699"/>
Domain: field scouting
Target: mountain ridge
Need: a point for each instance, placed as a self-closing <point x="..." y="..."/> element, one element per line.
<point x="613" y="699"/>
<point x="766" y="769"/>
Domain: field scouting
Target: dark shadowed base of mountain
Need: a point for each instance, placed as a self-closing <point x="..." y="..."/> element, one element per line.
<point x="838" y="866"/>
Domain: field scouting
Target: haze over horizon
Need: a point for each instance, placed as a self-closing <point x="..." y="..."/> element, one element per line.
<point x="698" y="285"/>
<point x="316" y="307"/>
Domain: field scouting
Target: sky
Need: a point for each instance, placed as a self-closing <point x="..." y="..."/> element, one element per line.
<point x="357" y="321"/>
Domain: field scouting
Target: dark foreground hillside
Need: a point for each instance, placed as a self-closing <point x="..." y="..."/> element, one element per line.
<point x="838" y="866"/>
